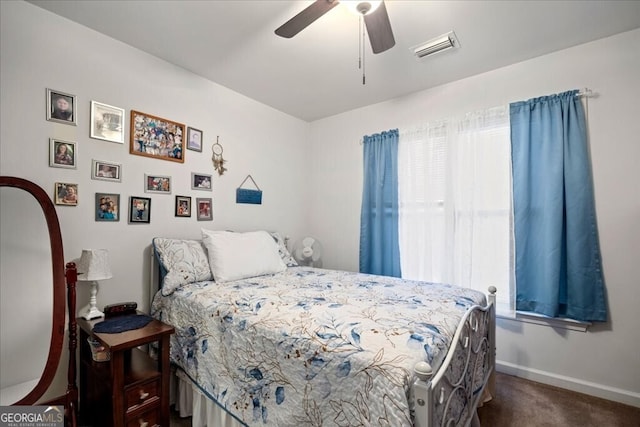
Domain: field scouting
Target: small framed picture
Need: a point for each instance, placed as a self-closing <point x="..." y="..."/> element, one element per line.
<point x="204" y="209"/>
<point x="200" y="181"/>
<point x="106" y="171"/>
<point x="62" y="154"/>
<point x="183" y="206"/>
<point x="66" y="194"/>
<point x="157" y="184"/>
<point x="194" y="139"/>
<point x="61" y="107"/>
<point x="107" y="122"/>
<point x="107" y="207"/>
<point x="139" y="210"/>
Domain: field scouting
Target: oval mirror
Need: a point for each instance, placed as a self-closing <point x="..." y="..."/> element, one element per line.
<point x="32" y="292"/>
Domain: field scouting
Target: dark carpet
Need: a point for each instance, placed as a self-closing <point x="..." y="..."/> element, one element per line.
<point x="525" y="403"/>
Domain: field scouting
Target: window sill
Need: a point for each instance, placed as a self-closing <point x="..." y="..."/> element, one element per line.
<point x="540" y="319"/>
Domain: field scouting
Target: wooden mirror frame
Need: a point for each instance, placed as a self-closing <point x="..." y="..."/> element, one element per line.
<point x="58" y="315"/>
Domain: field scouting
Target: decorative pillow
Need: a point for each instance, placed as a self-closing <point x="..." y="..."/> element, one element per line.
<point x="234" y="256"/>
<point x="184" y="261"/>
<point x="289" y="260"/>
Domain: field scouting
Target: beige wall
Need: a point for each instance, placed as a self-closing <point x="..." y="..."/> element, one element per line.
<point x="41" y="50"/>
<point x="603" y="361"/>
<point x="321" y="198"/>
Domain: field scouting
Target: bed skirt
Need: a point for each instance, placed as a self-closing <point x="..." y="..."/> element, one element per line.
<point x="189" y="401"/>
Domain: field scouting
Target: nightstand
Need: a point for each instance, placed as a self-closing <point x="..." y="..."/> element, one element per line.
<point x="130" y="389"/>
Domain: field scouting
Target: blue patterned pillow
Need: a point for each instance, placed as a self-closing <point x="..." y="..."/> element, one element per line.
<point x="183" y="261"/>
<point x="283" y="251"/>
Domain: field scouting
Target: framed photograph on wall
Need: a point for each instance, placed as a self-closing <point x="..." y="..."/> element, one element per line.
<point x="200" y="181"/>
<point x="107" y="207"/>
<point x="62" y="154"/>
<point x="154" y="137"/>
<point x="106" y="171"/>
<point x="66" y="194"/>
<point x="107" y="122"/>
<point x="205" y="211"/>
<point x="139" y="210"/>
<point x="61" y="107"/>
<point x="183" y="206"/>
<point x="194" y="139"/>
<point x="157" y="184"/>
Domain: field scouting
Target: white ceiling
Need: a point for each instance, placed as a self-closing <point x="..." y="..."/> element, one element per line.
<point x="315" y="74"/>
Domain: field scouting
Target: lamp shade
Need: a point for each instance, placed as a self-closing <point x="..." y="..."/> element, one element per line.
<point x="94" y="265"/>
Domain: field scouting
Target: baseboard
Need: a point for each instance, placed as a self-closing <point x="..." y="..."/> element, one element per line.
<point x="592" y="389"/>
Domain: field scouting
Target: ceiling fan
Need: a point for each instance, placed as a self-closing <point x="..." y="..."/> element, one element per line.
<point x="376" y="21"/>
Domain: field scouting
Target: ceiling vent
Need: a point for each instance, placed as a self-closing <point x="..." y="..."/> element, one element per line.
<point x="444" y="42"/>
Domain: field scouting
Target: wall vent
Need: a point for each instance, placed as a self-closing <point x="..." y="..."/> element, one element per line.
<point x="438" y="44"/>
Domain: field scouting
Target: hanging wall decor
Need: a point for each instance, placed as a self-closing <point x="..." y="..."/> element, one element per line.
<point x="218" y="161"/>
<point x="66" y="194"/>
<point x="200" y="181"/>
<point x="154" y="137"/>
<point x="107" y="122"/>
<point x="61" y="107"/>
<point x="249" y="196"/>
<point x="194" y="139"/>
<point x="183" y="206"/>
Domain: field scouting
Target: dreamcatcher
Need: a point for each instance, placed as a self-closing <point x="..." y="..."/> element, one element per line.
<point x="218" y="161"/>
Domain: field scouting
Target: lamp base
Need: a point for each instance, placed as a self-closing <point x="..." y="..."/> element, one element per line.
<point x="90" y="313"/>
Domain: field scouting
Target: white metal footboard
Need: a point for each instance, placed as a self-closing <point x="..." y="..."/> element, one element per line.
<point x="451" y="396"/>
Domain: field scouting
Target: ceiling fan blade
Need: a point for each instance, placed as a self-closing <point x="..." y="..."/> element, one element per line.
<point x="303" y="19"/>
<point x="379" y="29"/>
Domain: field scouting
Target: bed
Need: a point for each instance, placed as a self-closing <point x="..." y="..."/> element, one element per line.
<point x="261" y="341"/>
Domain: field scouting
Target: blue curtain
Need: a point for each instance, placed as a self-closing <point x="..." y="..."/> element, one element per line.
<point x="379" y="245"/>
<point x="558" y="263"/>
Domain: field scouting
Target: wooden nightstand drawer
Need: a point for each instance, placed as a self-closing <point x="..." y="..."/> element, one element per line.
<point x="146" y="419"/>
<point x="142" y="394"/>
<point x="131" y="388"/>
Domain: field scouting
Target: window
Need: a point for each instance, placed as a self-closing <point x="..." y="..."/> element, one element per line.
<point x="455" y="221"/>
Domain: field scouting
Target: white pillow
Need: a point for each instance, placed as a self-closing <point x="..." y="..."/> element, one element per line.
<point x="234" y="256"/>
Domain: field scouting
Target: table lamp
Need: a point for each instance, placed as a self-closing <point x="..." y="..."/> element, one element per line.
<point x="93" y="265"/>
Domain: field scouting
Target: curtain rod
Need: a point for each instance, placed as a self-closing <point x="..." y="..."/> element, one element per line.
<point x="586" y="92"/>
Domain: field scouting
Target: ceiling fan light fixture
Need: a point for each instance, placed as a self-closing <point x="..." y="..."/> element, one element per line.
<point x="438" y="44"/>
<point x="372" y="13"/>
<point x="360" y="7"/>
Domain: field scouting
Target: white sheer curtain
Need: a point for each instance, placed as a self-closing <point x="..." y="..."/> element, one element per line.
<point x="421" y="193"/>
<point x="456" y="221"/>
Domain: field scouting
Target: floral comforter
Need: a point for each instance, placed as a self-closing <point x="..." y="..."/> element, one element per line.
<point x="312" y="347"/>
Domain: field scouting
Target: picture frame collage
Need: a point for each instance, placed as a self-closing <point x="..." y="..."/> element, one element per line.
<point x="150" y="136"/>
